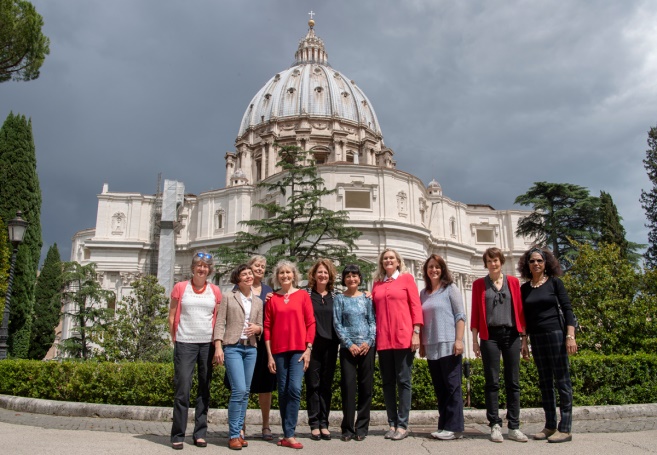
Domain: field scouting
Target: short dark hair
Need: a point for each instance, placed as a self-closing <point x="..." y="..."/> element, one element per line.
<point x="351" y="268"/>
<point x="445" y="276"/>
<point x="493" y="253"/>
<point x="235" y="274"/>
<point x="552" y="266"/>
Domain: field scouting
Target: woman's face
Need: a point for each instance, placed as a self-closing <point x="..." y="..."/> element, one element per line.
<point x="321" y="275"/>
<point x="493" y="265"/>
<point x="285" y="276"/>
<point x="201" y="270"/>
<point x="246" y="277"/>
<point x="434" y="271"/>
<point x="389" y="262"/>
<point x="536" y="264"/>
<point x="258" y="268"/>
<point x="352" y="281"/>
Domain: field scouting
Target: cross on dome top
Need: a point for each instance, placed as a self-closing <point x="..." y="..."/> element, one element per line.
<point x="311" y="48"/>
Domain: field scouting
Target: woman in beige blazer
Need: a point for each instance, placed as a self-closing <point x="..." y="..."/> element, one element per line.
<point x="236" y="334"/>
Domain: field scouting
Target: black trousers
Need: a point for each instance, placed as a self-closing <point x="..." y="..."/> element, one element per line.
<point x="319" y="381"/>
<point x="357" y="376"/>
<point x="504" y="341"/>
<point x="446" y="378"/>
<point x="185" y="357"/>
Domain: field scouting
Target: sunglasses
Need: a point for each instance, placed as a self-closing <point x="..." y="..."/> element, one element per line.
<point x="204" y="256"/>
<point x="536" y="261"/>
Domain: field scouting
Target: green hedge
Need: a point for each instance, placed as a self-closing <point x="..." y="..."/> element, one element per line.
<point x="597" y="380"/>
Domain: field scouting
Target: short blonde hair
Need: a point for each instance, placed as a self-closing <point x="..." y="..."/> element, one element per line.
<point x="380" y="273"/>
<point x="204" y="257"/>
<point x="289" y="265"/>
<point x="255" y="259"/>
<point x="331" y="272"/>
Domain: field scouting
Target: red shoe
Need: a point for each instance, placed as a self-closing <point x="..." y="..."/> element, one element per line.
<point x="291" y="445"/>
<point x="244" y="442"/>
<point x="234" y="444"/>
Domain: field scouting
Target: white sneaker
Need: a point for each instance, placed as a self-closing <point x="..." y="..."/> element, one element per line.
<point x="496" y="433"/>
<point x="517" y="435"/>
<point x="445" y="435"/>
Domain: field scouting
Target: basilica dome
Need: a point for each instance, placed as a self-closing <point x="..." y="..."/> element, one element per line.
<point x="312" y="88"/>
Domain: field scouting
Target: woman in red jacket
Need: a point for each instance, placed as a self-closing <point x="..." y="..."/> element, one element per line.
<point x="398" y="320"/>
<point x="498" y="320"/>
<point x="289" y="335"/>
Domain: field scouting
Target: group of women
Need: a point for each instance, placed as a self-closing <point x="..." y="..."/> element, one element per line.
<point x="270" y="339"/>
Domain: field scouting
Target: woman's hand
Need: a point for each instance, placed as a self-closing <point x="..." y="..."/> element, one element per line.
<point x="218" y="358"/>
<point x="458" y="347"/>
<point x="415" y="342"/>
<point x="268" y="296"/>
<point x="306" y="359"/>
<point x="364" y="348"/>
<point x="524" y="349"/>
<point x="271" y="365"/>
<point x="367" y="294"/>
<point x="423" y="351"/>
<point x="354" y="350"/>
<point x="252" y="329"/>
<point x="571" y="346"/>
<point x="476" y="349"/>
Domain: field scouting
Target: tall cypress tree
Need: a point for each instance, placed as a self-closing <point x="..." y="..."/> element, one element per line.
<point x="47" y="304"/>
<point x="5" y="255"/>
<point x="649" y="199"/>
<point x="611" y="229"/>
<point x="20" y="191"/>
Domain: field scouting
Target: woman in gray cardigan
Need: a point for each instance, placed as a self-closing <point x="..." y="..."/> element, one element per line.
<point x="442" y="344"/>
<point x="239" y="324"/>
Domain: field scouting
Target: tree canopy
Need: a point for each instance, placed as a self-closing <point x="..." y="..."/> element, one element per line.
<point x="293" y="224"/>
<point x="23" y="46"/>
<point x="561" y="212"/>
<point x="649" y="199"/>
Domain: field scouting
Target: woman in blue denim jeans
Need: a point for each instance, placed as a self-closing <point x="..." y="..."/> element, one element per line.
<point x="239" y="324"/>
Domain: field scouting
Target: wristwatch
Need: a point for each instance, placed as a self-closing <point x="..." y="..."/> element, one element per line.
<point x="570" y="337"/>
<point x="309" y="346"/>
<point x="416" y="331"/>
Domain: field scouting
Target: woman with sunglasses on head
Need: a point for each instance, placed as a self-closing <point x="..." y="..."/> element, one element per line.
<point x="442" y="344"/>
<point x="551" y="328"/>
<point x="236" y="333"/>
<point x="355" y="324"/>
<point x="498" y="321"/>
<point x="192" y="315"/>
<point x="289" y="335"/>
<point x="323" y="358"/>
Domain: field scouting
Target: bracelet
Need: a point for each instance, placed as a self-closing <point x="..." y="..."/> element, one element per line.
<point x="522" y="335"/>
<point x="570" y="337"/>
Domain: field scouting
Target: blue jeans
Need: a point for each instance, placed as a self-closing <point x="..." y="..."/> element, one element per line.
<point x="185" y="357"/>
<point x="240" y="362"/>
<point x="289" y="373"/>
<point x="396" y="366"/>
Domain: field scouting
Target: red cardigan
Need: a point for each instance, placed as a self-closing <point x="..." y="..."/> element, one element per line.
<point x="397" y="308"/>
<point x="289" y="326"/>
<point x="478" y="311"/>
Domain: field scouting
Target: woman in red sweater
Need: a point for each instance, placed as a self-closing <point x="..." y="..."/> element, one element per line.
<point x="289" y="334"/>
<point x="398" y="320"/>
<point x="498" y="320"/>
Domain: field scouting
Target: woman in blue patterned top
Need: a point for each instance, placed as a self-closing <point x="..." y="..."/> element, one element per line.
<point x="355" y="324"/>
<point x="442" y="344"/>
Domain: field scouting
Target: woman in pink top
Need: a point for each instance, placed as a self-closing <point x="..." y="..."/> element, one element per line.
<point x="192" y="314"/>
<point x="398" y="320"/>
<point x="289" y="334"/>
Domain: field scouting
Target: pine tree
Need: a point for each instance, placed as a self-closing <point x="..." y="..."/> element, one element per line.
<point x="612" y="230"/>
<point x="20" y="191"/>
<point x="299" y="228"/>
<point x="563" y="212"/>
<point x="87" y="304"/>
<point x="47" y="304"/>
<point x="138" y="330"/>
<point x="649" y="199"/>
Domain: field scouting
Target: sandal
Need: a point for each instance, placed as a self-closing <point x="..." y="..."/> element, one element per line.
<point x="267" y="436"/>
<point x="177" y="445"/>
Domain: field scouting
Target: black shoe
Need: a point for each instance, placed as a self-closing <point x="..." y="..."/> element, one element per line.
<point x="200" y="443"/>
<point x="315" y="437"/>
<point x="345" y="438"/>
<point x="360" y="437"/>
<point x="177" y="445"/>
<point x="325" y="436"/>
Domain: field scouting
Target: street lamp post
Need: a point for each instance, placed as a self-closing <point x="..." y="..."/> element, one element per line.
<point x="17" y="228"/>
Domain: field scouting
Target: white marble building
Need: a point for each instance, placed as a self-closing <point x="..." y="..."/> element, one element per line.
<point x="316" y="107"/>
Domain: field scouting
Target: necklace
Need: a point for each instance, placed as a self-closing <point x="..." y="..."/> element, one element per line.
<point x="540" y="282"/>
<point x="201" y="290"/>
<point x="498" y="281"/>
<point x="286" y="298"/>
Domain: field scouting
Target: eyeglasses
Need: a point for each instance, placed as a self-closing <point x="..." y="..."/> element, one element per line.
<point x="204" y="256"/>
<point x="536" y="261"/>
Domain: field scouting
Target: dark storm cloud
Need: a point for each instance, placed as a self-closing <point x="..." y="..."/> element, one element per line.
<point x="485" y="96"/>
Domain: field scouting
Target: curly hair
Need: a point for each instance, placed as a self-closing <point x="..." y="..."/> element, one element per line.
<point x="331" y="272"/>
<point x="287" y="265"/>
<point x="445" y="276"/>
<point x="552" y="266"/>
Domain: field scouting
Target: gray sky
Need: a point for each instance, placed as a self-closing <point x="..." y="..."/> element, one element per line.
<point x="485" y="96"/>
